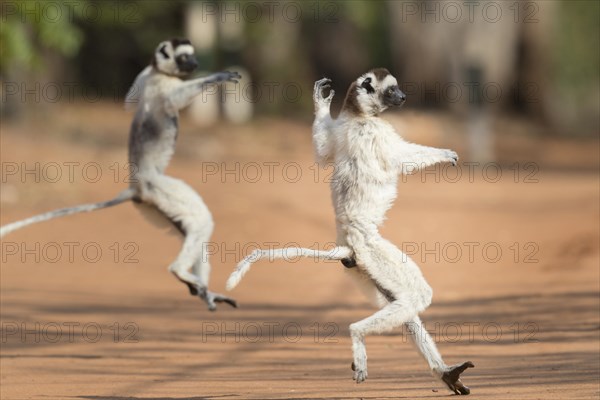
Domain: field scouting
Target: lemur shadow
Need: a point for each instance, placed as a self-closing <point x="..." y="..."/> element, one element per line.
<point x="236" y="396"/>
<point x="520" y="318"/>
<point x="569" y="317"/>
<point x="152" y="398"/>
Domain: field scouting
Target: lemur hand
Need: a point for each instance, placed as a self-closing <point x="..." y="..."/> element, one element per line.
<point x="319" y="91"/>
<point x="450" y="156"/>
<point x="228" y="76"/>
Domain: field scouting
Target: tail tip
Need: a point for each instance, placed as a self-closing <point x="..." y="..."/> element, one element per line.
<point x="233" y="281"/>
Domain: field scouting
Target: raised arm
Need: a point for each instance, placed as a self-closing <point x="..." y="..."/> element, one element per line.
<point x="322" y="125"/>
<point x="183" y="94"/>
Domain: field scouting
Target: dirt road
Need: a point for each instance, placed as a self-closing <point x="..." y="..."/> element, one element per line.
<point x="89" y="311"/>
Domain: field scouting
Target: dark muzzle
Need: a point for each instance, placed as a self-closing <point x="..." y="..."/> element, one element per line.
<point x="186" y="63"/>
<point x="394" y="97"/>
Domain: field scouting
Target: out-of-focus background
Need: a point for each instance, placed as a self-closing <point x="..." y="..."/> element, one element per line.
<point x="509" y="239"/>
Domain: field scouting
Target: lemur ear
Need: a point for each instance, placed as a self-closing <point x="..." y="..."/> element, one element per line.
<point x="367" y="85"/>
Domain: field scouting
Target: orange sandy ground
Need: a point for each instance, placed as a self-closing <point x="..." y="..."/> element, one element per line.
<point x="531" y="328"/>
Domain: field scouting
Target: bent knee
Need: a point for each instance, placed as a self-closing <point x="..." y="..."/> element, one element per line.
<point x="198" y="224"/>
<point x="425" y="297"/>
<point x="355" y="330"/>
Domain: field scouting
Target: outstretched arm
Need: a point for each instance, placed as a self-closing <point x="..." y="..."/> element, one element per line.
<point x="183" y="94"/>
<point x="323" y="122"/>
<point x="412" y="157"/>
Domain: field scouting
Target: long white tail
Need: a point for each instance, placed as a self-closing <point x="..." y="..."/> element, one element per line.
<point x="122" y="197"/>
<point x="337" y="253"/>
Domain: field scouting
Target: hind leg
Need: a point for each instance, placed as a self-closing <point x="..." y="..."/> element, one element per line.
<point x="186" y="210"/>
<point x="201" y="269"/>
<point x="391" y="316"/>
<point x="426" y="346"/>
<point x="400" y="280"/>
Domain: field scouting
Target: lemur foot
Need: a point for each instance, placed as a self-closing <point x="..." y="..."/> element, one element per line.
<point x="451" y="378"/>
<point x="348" y="262"/>
<point x="211" y="298"/>
<point x="360" y="374"/>
<point x="191" y="287"/>
<point x="319" y="91"/>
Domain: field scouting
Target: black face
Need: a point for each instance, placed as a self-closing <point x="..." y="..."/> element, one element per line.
<point x="186" y="63"/>
<point x="393" y="96"/>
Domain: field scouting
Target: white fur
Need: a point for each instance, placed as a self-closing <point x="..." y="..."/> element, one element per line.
<point x="168" y="65"/>
<point x="243" y="266"/>
<point x="154" y="132"/>
<point x="184" y="49"/>
<point x="158" y="94"/>
<point x="182" y="204"/>
<point x="368" y="156"/>
<point x="125" y="195"/>
<point x="134" y="94"/>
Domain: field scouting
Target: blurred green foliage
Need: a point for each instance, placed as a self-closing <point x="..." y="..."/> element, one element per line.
<point x="29" y="26"/>
<point x="124" y="34"/>
<point x="92" y="36"/>
<point x="577" y="59"/>
<point x="575" y="69"/>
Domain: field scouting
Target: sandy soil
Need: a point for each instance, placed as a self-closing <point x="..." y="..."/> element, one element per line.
<point x="514" y="264"/>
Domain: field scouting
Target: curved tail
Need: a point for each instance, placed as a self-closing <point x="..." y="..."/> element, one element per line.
<point x="122" y="197"/>
<point x="337" y="253"/>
